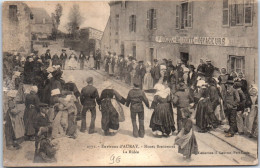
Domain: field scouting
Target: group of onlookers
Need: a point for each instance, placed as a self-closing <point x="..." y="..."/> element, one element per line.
<point x="41" y="105"/>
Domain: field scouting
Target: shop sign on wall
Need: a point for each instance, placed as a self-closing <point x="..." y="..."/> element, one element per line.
<point x="216" y="41"/>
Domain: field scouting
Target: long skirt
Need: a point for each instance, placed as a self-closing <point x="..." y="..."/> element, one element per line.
<point x="187" y="143"/>
<point x="148" y="81"/>
<point x="110" y="117"/>
<point x="162" y="119"/>
<point x="29" y="117"/>
<point x="18" y="122"/>
<point x="72" y="125"/>
<point x="128" y="78"/>
<point x="110" y="71"/>
<point x="119" y="109"/>
<point x="250" y="119"/>
<point x="60" y="124"/>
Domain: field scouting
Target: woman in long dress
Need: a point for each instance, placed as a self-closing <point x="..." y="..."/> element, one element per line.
<point x="148" y="80"/>
<point x="32" y="108"/>
<point x="111" y="114"/>
<point x="251" y="121"/>
<point x="162" y="121"/>
<point x="91" y="61"/>
<point x="72" y="63"/>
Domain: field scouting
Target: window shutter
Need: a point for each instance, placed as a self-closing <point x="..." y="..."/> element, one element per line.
<point x="190" y="4"/>
<point x="154" y="19"/>
<point x="248" y="13"/>
<point x="177" y="22"/>
<point x="233" y="14"/>
<point x="134" y="23"/>
<point x="147" y="19"/>
<point x="130" y="23"/>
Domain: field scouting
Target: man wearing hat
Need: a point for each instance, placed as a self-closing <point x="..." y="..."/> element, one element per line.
<point x="89" y="97"/>
<point x="192" y="77"/>
<point x="230" y="101"/>
<point x="155" y="72"/>
<point x="209" y="70"/>
<point x="136" y="97"/>
<point x="140" y="71"/>
<point x="47" y="54"/>
<point x="82" y="59"/>
<point x="63" y="58"/>
<point x="182" y="99"/>
<point x="201" y="66"/>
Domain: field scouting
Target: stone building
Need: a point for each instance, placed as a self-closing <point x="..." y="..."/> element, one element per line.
<point x="41" y="23"/>
<point x="90" y="39"/>
<point x="16" y="24"/>
<point x="224" y="31"/>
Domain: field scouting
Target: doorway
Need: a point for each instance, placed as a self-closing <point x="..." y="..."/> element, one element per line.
<point x="184" y="57"/>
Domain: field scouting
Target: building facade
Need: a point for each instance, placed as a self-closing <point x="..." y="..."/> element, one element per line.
<point x="41" y="23"/>
<point x="16" y="24"/>
<point x="224" y="31"/>
<point x="90" y="39"/>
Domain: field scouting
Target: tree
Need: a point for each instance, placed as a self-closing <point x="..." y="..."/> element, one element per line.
<point x="56" y="19"/>
<point x="75" y="20"/>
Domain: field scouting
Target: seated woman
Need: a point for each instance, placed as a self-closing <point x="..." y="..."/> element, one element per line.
<point x="162" y="121"/>
<point x="110" y="113"/>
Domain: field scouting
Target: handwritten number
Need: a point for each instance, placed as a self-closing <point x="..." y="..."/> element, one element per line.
<point x="114" y="159"/>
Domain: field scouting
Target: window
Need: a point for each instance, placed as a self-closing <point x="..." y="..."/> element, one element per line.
<point x="117" y="24"/>
<point x="237" y="64"/>
<point x="43" y="21"/>
<point x="134" y="51"/>
<point x="248" y="11"/>
<point x="237" y="12"/>
<point x="225" y="20"/>
<point x="116" y="41"/>
<point x="132" y="23"/>
<point x="151" y="21"/>
<point x="184" y="15"/>
<point x="13" y="13"/>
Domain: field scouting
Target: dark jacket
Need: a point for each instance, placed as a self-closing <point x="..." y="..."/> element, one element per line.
<point x="182" y="98"/>
<point x="192" y="81"/>
<point x="82" y="57"/>
<point x="155" y="72"/>
<point x="241" y="104"/>
<point x="63" y="56"/>
<point x="89" y="96"/>
<point x="231" y="99"/>
<point x="135" y="97"/>
<point x="47" y="56"/>
<point x="209" y="70"/>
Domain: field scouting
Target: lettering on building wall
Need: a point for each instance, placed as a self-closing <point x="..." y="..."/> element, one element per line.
<point x="216" y="41"/>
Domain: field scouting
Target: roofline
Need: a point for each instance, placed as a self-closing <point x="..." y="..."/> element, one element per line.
<point x="111" y="3"/>
<point x="105" y="27"/>
<point x="91" y="28"/>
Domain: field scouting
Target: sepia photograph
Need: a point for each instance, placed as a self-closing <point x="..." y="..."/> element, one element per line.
<point x="130" y="83"/>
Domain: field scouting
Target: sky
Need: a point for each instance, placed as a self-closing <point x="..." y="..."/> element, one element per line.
<point x="95" y="13"/>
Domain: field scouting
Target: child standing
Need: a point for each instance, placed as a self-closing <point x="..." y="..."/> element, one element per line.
<point x="186" y="139"/>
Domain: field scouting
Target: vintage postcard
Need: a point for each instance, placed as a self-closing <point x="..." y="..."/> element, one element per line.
<point x="130" y="83"/>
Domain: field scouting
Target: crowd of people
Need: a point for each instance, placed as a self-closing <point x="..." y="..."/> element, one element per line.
<point x="41" y="106"/>
<point x="215" y="99"/>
